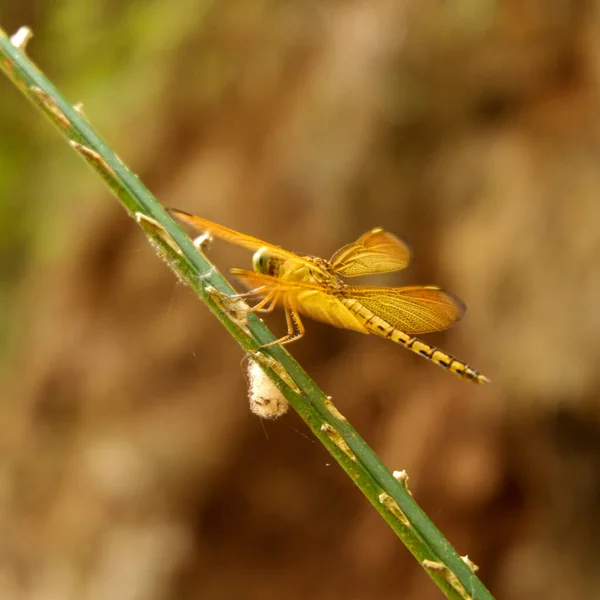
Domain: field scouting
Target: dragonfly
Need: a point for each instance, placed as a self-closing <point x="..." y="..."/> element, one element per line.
<point x="315" y="287"/>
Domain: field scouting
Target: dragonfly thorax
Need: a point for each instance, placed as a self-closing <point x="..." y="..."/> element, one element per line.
<point x="318" y="273"/>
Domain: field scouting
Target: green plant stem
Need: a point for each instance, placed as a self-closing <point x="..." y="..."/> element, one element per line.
<point x="389" y="496"/>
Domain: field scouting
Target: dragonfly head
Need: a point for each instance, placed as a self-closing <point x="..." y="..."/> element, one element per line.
<point x="263" y="263"/>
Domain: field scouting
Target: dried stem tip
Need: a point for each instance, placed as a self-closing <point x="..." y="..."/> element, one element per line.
<point x="19" y="40"/>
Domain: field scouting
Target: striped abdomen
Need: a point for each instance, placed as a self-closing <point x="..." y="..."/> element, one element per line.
<point x="381" y="328"/>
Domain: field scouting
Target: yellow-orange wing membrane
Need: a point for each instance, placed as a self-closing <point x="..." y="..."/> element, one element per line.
<point x="239" y="239"/>
<point x="377" y="251"/>
<point x="414" y="309"/>
<point x="309" y="299"/>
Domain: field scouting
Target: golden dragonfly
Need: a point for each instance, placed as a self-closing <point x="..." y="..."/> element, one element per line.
<point x="313" y="287"/>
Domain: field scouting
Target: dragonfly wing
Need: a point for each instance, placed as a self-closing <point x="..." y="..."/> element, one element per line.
<point x="239" y="239"/>
<point x="311" y="300"/>
<point x="266" y="283"/>
<point x="377" y="251"/>
<point x="414" y="309"/>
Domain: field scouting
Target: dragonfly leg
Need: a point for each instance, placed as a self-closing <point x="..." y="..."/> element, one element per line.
<point x="271" y="307"/>
<point x="232" y="300"/>
<point x="260" y="307"/>
<point x="255" y="292"/>
<point x="272" y="297"/>
<point x="295" y="328"/>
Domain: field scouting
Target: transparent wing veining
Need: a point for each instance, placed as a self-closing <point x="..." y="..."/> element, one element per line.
<point x="414" y="309"/>
<point x="377" y="251"/>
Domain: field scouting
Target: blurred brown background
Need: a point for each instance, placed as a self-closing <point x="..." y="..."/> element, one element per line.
<point x="130" y="465"/>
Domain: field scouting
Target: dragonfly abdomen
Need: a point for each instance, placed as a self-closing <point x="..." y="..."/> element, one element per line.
<point x="381" y="328"/>
<point x="446" y="361"/>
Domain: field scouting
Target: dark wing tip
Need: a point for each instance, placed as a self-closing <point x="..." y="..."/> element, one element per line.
<point x="175" y="212"/>
<point x="461" y="307"/>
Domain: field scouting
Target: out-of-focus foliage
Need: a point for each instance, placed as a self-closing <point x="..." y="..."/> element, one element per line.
<point x="130" y="464"/>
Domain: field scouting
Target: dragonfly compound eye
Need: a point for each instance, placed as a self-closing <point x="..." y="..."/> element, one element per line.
<point x="261" y="262"/>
